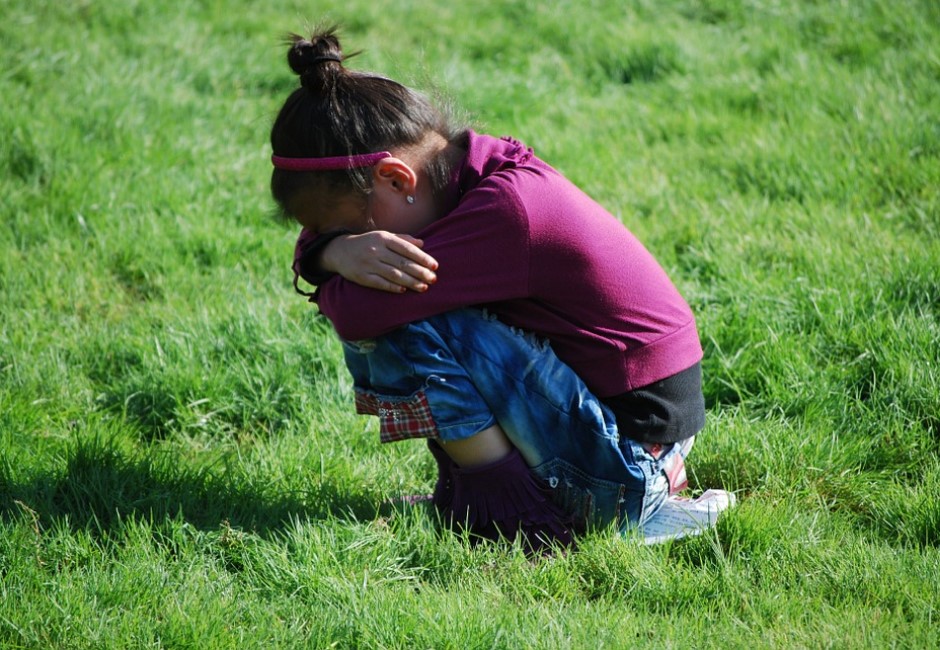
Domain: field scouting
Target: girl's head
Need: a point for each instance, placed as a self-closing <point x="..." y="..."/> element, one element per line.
<point x="342" y="113"/>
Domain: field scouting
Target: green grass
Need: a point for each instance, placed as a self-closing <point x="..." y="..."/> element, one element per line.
<point x="179" y="461"/>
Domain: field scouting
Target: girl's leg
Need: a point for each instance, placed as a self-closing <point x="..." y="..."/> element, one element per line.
<point x="487" y="446"/>
<point x="567" y="435"/>
<point x="484" y="483"/>
<point x="458" y="374"/>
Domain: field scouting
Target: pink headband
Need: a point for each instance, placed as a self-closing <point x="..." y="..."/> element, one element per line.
<point x="328" y="164"/>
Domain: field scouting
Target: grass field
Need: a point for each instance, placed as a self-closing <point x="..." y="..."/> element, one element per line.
<point x="179" y="462"/>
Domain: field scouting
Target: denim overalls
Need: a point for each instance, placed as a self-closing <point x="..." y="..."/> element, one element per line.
<point x="455" y="374"/>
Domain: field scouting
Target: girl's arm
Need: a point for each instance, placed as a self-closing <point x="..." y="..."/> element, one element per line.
<point x="380" y="260"/>
<point x="482" y="249"/>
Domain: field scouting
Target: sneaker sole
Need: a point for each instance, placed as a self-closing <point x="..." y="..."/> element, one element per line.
<point x="682" y="517"/>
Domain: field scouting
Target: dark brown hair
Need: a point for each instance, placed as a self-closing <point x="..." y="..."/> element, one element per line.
<point x="341" y="112"/>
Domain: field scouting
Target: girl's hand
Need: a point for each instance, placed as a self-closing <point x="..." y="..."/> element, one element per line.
<point x="381" y="260"/>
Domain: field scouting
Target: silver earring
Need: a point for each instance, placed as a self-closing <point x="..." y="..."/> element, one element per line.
<point x="410" y="199"/>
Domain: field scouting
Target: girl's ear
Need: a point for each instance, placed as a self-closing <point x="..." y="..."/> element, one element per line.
<point x="395" y="175"/>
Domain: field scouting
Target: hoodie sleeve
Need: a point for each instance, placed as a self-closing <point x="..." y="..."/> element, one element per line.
<point x="307" y="253"/>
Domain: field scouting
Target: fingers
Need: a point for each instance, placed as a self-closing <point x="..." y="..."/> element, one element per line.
<point x="397" y="276"/>
<point x="408" y="274"/>
<point x="407" y="265"/>
<point x="382" y="284"/>
<point x="385" y="261"/>
<point x="409" y="269"/>
<point x="394" y="281"/>
<point x="410" y="248"/>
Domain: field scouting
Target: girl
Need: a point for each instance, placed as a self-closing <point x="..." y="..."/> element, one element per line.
<point x="532" y="339"/>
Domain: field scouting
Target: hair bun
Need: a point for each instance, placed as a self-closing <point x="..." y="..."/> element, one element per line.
<point x="312" y="59"/>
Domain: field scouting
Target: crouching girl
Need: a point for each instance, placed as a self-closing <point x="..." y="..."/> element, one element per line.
<point x="487" y="304"/>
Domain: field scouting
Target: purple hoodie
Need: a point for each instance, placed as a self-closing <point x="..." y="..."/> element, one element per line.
<point x="535" y="250"/>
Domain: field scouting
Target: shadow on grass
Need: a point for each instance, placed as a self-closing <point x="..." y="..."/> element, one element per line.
<point x="101" y="487"/>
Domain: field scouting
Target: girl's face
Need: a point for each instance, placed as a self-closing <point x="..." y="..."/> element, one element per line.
<point x="380" y="211"/>
<point x="387" y="207"/>
<point x="319" y="216"/>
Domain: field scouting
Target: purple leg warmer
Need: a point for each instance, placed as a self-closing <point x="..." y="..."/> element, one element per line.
<point x="503" y="499"/>
<point x="444" y="488"/>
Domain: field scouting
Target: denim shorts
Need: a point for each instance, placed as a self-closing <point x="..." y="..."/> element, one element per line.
<point x="455" y="374"/>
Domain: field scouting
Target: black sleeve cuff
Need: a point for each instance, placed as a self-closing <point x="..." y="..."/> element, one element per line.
<point x="308" y="264"/>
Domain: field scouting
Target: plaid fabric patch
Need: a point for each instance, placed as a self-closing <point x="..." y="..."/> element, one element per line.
<point x="399" y="418"/>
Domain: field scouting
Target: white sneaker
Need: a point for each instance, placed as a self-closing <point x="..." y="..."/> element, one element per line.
<point x="682" y="516"/>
